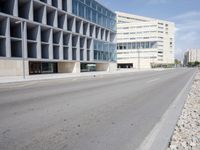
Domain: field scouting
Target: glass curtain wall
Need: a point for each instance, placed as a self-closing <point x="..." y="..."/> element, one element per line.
<point x="93" y="11"/>
<point x="104" y="51"/>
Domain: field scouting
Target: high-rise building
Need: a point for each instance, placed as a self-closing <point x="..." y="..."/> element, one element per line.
<point x="56" y="36"/>
<point x="191" y="56"/>
<point x="144" y="42"/>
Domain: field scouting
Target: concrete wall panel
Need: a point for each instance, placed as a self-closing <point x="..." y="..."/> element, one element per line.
<point x="12" y="67"/>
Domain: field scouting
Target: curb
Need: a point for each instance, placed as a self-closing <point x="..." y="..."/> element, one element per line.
<point x="80" y="75"/>
<point x="159" y="137"/>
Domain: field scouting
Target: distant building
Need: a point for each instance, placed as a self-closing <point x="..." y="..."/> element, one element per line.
<point x="56" y="36"/>
<point x="191" y="56"/>
<point x="144" y="42"/>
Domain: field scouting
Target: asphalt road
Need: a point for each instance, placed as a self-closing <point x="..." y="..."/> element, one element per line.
<point x="111" y="112"/>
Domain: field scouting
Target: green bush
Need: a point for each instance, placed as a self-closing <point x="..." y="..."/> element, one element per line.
<point x="193" y="64"/>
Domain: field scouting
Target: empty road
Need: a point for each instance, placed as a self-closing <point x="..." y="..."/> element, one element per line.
<point x="107" y="112"/>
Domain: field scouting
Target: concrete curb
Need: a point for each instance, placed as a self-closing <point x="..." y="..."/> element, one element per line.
<point x="66" y="76"/>
<point x="159" y="137"/>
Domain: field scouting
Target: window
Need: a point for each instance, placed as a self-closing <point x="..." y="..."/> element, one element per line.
<point x="81" y="10"/>
<point x="88" y="13"/>
<point x="129" y="46"/>
<point x="147" y="45"/>
<point x="138" y="45"/>
<point x="94" y="5"/>
<point x="99" y="19"/>
<point x="94" y="18"/>
<point x="75" y="7"/>
<point x="88" y="2"/>
<point x="142" y="45"/>
<point x="104" y="21"/>
<point x="99" y="9"/>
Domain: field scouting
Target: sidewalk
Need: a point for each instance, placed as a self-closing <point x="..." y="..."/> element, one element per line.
<point x="67" y="75"/>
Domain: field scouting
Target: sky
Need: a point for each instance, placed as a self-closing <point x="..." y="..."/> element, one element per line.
<point x="184" y="13"/>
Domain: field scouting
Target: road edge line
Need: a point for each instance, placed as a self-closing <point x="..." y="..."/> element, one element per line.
<point x="159" y="137"/>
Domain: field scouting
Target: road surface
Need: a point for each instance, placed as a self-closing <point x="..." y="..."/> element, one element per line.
<point x="110" y="112"/>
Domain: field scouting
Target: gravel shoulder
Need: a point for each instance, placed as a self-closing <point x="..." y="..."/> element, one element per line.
<point x="186" y="135"/>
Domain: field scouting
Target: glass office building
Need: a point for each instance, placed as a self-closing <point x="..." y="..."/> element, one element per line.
<point x="96" y="13"/>
<point x="56" y="36"/>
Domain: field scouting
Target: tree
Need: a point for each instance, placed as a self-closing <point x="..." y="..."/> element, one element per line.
<point x="177" y="62"/>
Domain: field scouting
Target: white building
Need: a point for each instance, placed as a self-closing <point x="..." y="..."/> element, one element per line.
<point x="144" y="42"/>
<point x="192" y="55"/>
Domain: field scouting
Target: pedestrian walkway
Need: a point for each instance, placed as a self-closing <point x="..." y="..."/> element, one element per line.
<point x="66" y="75"/>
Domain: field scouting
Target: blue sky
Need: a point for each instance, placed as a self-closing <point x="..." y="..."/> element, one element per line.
<point x="185" y="14"/>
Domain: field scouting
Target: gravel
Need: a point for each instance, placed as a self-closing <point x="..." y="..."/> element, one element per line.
<point x="186" y="135"/>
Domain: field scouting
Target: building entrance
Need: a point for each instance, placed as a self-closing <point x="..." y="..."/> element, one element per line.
<point x="88" y="67"/>
<point x="43" y="67"/>
<point x="125" y="65"/>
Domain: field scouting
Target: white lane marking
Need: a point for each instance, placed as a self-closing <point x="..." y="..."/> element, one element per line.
<point x="153" y="80"/>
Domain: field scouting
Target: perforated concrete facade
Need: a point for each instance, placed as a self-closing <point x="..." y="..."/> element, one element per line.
<point x="49" y="31"/>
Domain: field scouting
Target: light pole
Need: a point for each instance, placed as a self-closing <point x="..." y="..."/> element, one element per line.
<point x="23" y="49"/>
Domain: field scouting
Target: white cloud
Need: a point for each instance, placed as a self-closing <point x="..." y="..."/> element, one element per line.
<point x="157" y="1"/>
<point x="188" y="31"/>
<point x="188" y="15"/>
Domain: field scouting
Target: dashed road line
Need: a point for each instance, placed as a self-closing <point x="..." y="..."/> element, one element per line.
<point x="153" y="80"/>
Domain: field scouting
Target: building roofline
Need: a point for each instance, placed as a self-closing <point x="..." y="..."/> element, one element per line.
<point x="142" y="17"/>
<point x="98" y="2"/>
